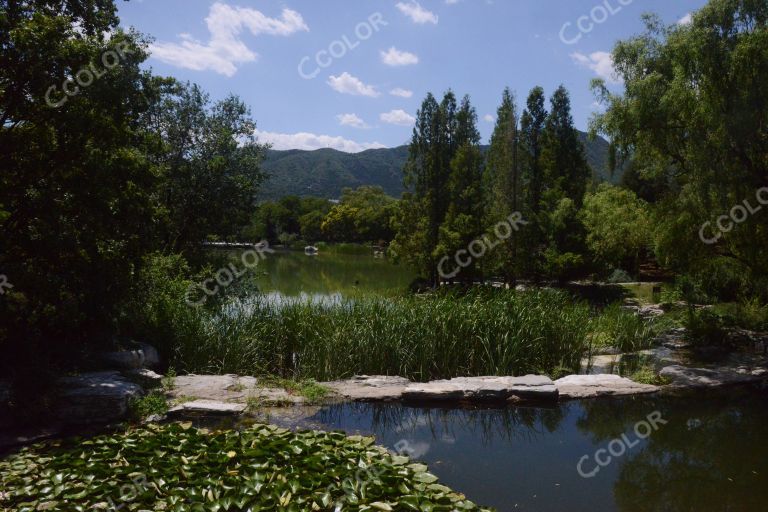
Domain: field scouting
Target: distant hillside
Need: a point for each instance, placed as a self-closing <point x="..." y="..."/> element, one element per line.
<point x="325" y="172"/>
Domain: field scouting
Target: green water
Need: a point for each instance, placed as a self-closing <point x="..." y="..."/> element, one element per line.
<point x="290" y="274"/>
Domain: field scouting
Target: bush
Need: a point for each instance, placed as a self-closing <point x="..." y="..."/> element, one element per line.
<point x="619" y="276"/>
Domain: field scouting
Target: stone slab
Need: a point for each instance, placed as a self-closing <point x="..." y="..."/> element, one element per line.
<point x="483" y="389"/>
<point x="365" y="388"/>
<point x="207" y="407"/>
<point x="696" y="378"/>
<point x="592" y="386"/>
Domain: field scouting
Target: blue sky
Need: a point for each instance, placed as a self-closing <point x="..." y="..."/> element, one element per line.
<point x="350" y="74"/>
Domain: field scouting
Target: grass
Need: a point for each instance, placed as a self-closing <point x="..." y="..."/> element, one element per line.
<point x="308" y="388"/>
<point x="486" y="332"/>
<point x="152" y="403"/>
<point x="178" y="468"/>
<point x="647" y="375"/>
<point x="169" y="380"/>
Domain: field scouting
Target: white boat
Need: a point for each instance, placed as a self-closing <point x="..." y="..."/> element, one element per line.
<point x="311" y="250"/>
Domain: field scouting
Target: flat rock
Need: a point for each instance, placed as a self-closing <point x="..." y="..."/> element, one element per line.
<point x="483" y="389"/>
<point x="207" y="407"/>
<point x="229" y="388"/>
<point x="364" y="388"/>
<point x="97" y="397"/>
<point x="591" y="386"/>
<point x="696" y="378"/>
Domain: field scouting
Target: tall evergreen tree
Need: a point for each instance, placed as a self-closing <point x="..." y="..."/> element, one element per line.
<point x="503" y="180"/>
<point x="532" y="124"/>
<point x="464" y="219"/>
<point x="565" y="176"/>
<point x="426" y="175"/>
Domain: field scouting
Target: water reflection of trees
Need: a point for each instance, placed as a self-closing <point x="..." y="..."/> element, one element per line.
<point x="711" y="454"/>
<point x="488" y="425"/>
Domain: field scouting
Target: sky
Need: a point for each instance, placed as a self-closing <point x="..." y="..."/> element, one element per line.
<point x="351" y="74"/>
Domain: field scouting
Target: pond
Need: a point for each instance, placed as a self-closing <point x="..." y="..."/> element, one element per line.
<point x="328" y="276"/>
<point x="704" y="453"/>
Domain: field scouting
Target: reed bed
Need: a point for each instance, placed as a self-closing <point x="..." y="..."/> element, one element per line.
<point x="419" y="337"/>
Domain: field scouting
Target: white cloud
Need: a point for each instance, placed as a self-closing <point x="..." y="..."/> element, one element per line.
<point x="599" y="62"/>
<point x="685" y="20"/>
<point x="311" y="141"/>
<point x="398" y="117"/>
<point x="417" y="13"/>
<point x="348" y="84"/>
<point x="451" y="2"/>
<point x="351" y="120"/>
<point x="225" y="48"/>
<point x="394" y="57"/>
<point x="400" y="92"/>
<point x="488" y="118"/>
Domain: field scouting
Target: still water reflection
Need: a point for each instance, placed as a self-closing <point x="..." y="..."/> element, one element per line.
<point x="711" y="455"/>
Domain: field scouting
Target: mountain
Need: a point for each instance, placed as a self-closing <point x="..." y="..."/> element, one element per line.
<point x="325" y="172"/>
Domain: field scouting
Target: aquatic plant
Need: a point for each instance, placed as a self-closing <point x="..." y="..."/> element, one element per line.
<point x="419" y="337"/>
<point x="179" y="468"/>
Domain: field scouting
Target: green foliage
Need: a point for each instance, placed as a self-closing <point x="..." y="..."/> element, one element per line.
<point x="439" y="336"/>
<point x="177" y="467"/>
<point x="77" y="184"/>
<point x="619" y="276"/>
<point x="153" y="403"/>
<point x="705" y="327"/>
<point x="617" y="327"/>
<point x="692" y="119"/>
<point x="308" y="388"/>
<point x="618" y="227"/>
<point x="648" y="375"/>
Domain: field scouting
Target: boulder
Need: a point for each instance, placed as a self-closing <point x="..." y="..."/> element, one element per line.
<point x="97" y="397"/>
<point x="145" y="377"/>
<point x="483" y="389"/>
<point x="140" y="355"/>
<point x="365" y="388"/>
<point x="697" y="378"/>
<point x="592" y="386"/>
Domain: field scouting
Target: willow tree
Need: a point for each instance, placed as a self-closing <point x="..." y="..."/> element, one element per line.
<point x="693" y="111"/>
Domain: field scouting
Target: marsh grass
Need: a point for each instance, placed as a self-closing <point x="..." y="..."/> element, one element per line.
<point x="485" y="332"/>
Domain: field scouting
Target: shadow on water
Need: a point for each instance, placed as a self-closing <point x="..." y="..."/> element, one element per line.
<point x="709" y="455"/>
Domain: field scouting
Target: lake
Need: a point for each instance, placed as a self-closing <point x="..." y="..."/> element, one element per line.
<point x="294" y="275"/>
<point x="708" y="453"/>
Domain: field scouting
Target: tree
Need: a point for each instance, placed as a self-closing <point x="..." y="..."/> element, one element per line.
<point x="618" y="225"/>
<point x="464" y="219"/>
<point x="565" y="175"/>
<point x="77" y="187"/>
<point x="532" y="124"/>
<point x="210" y="162"/>
<point x="503" y="180"/>
<point x="693" y="112"/>
<point x="426" y="174"/>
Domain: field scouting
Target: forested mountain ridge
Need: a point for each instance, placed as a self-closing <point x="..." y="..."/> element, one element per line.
<point x="325" y="172"/>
